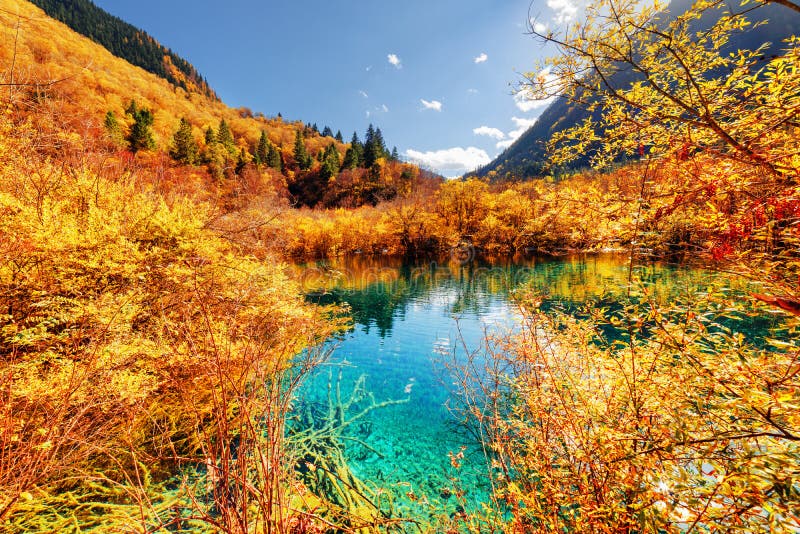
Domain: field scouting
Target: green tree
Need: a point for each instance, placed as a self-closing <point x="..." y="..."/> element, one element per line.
<point x="380" y="144"/>
<point x="140" y="136"/>
<point x="184" y="147"/>
<point x="374" y="147"/>
<point x="369" y="147"/>
<point x="263" y="149"/>
<point x="113" y="129"/>
<point x="354" y="157"/>
<point x="210" y="136"/>
<point x="331" y="161"/>
<point x="225" y="137"/>
<point x="301" y="156"/>
<point x="275" y="159"/>
<point x="338" y="136"/>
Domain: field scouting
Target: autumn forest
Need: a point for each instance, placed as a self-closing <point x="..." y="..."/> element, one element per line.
<point x="159" y="328"/>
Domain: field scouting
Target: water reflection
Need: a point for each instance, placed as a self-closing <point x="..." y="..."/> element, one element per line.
<point x="411" y="318"/>
<point x="380" y="291"/>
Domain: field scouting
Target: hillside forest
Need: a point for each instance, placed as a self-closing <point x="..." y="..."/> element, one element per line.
<point x="153" y="335"/>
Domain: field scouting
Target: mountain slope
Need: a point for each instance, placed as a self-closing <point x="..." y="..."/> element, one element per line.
<point x="126" y="41"/>
<point x="68" y="86"/>
<point x="79" y="81"/>
<point x="527" y="157"/>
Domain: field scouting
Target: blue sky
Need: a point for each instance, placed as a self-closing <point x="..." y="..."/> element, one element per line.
<point x="434" y="75"/>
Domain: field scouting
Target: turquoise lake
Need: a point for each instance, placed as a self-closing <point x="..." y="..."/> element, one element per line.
<point x="410" y="321"/>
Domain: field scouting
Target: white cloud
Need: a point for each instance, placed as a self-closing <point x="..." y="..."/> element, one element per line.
<point x="394" y="60"/>
<point x="526" y="101"/>
<point x="489" y="132"/>
<point x="385" y="108"/>
<point x="433" y="104"/>
<point x="565" y="9"/>
<point x="524" y="123"/>
<point x="522" y="126"/>
<point x="540" y="28"/>
<point x="472" y="91"/>
<point x="481" y="58"/>
<point x="502" y="145"/>
<point x="363" y="93"/>
<point x="446" y="161"/>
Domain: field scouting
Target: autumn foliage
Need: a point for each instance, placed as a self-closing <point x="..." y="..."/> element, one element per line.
<point x="151" y="337"/>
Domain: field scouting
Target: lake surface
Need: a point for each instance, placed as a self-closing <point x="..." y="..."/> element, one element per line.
<point x="411" y="321"/>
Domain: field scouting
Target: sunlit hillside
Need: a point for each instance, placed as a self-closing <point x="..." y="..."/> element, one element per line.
<point x="84" y="81"/>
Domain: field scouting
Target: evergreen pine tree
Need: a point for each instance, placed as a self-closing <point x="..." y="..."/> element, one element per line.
<point x="371" y="148"/>
<point x="327" y="132"/>
<point x="354" y="156"/>
<point x="380" y="144"/>
<point x="301" y="157"/>
<point x="211" y="137"/>
<point x="113" y="129"/>
<point x="225" y="137"/>
<point x="274" y="158"/>
<point x="395" y="155"/>
<point x="338" y="136"/>
<point x="140" y="136"/>
<point x="370" y="137"/>
<point x="330" y="163"/>
<point x="184" y="147"/>
<point x="332" y="155"/>
<point x="262" y="151"/>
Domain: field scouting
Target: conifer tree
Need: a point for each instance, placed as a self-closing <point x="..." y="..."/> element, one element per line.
<point x="370" y="136"/>
<point x="327" y="132"/>
<point x="301" y="157"/>
<point x="338" y="136"/>
<point x="113" y="129"/>
<point x="211" y="137"/>
<point x="184" y="147"/>
<point x="274" y="158"/>
<point x="262" y="151"/>
<point x="225" y="137"/>
<point x="395" y="155"/>
<point x="331" y="154"/>
<point x="330" y="163"/>
<point x="140" y="136"/>
<point x="380" y="144"/>
<point x="354" y="156"/>
<point x="371" y="147"/>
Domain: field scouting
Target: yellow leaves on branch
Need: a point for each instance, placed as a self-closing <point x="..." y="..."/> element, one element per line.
<point x="123" y="316"/>
<point x="666" y="82"/>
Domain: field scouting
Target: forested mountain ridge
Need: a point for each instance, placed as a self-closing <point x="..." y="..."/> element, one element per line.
<point x="94" y="100"/>
<point x="127" y="42"/>
<point x="527" y="157"/>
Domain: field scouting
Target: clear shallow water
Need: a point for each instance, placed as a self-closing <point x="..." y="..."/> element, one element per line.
<point x="411" y="320"/>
